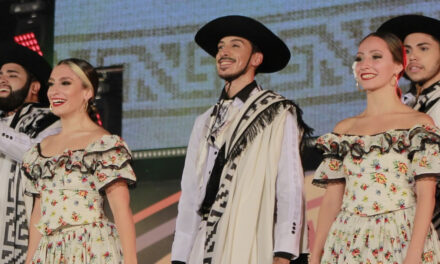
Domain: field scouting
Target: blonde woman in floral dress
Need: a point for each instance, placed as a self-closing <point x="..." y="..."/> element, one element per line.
<point x="69" y="175"/>
<point x="379" y="169"/>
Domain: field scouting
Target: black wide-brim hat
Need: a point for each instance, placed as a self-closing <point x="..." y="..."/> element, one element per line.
<point x="276" y="54"/>
<point x="402" y="26"/>
<point x="11" y="52"/>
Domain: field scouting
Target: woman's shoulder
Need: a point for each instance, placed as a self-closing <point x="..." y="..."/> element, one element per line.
<point x="344" y="125"/>
<point x="419" y="118"/>
<point x="425" y="119"/>
<point x="102" y="140"/>
<point x="329" y="141"/>
<point x="97" y="134"/>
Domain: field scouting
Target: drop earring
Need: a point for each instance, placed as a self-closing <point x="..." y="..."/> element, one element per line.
<point x="357" y="86"/>
<point x="394" y="80"/>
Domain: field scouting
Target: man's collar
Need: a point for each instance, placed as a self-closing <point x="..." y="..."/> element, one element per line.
<point x="430" y="89"/>
<point x="20" y="108"/>
<point x="243" y="94"/>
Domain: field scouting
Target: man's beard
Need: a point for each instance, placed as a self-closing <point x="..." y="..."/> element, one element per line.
<point x="429" y="78"/>
<point x="232" y="76"/>
<point x="14" y="100"/>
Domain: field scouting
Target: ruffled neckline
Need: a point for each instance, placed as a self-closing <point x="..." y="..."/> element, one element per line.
<point x="337" y="145"/>
<point x="428" y="127"/>
<point x="88" y="148"/>
<point x="109" y="151"/>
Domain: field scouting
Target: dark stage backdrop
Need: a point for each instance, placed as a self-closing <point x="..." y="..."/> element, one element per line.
<point x="168" y="80"/>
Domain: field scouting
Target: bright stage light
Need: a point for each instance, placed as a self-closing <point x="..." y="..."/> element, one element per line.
<point x="29" y="40"/>
<point x="34" y="26"/>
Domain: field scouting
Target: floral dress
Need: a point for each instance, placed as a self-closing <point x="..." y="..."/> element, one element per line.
<point x="71" y="187"/>
<point x="378" y="208"/>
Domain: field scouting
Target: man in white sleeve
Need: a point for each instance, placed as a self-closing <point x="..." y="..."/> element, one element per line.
<point x="421" y="38"/>
<point x="242" y="186"/>
<point x="24" y="120"/>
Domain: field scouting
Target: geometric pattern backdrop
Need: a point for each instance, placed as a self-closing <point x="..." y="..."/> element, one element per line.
<point x="168" y="80"/>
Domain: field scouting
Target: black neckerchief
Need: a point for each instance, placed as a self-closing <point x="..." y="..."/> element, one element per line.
<point x="243" y="94"/>
<point x="216" y="172"/>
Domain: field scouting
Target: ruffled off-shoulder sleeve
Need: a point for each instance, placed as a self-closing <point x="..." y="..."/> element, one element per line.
<point x="424" y="152"/>
<point x="30" y="183"/>
<point x="30" y="187"/>
<point x="330" y="169"/>
<point x="110" y="159"/>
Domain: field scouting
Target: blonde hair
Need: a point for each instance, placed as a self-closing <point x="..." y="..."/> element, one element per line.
<point x="80" y="73"/>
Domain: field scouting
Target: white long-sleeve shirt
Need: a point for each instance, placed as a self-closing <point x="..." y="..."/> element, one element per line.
<point x="14" y="144"/>
<point x="289" y="191"/>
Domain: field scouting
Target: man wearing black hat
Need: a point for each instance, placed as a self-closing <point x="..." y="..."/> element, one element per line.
<point x="24" y="121"/>
<point x="421" y="38"/>
<point x="242" y="185"/>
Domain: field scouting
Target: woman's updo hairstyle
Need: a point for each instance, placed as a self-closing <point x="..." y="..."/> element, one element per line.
<point x="89" y="77"/>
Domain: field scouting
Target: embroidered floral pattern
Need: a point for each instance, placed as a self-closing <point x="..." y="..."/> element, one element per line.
<point x="334" y="165"/>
